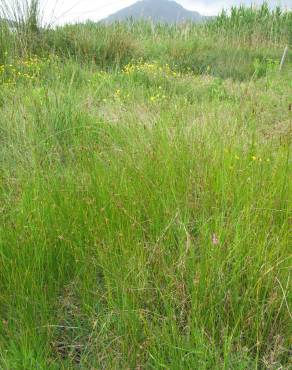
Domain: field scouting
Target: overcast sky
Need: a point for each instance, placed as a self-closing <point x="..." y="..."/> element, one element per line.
<point x="63" y="11"/>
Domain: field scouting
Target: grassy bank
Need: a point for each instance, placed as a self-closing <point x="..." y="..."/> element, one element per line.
<point x="226" y="47"/>
<point x="145" y="199"/>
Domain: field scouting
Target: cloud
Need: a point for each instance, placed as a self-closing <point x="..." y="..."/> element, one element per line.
<point x="206" y="7"/>
<point x="213" y="7"/>
<point x="63" y="11"/>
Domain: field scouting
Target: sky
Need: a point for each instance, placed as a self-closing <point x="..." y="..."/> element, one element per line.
<point x="65" y="11"/>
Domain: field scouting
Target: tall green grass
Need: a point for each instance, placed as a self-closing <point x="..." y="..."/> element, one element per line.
<point x="23" y="20"/>
<point x="255" y="25"/>
<point x="145" y="211"/>
<point x="228" y="45"/>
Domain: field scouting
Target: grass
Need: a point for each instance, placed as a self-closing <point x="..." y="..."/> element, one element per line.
<point x="145" y="205"/>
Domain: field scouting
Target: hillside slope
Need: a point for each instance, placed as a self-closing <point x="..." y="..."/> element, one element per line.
<point x="165" y="11"/>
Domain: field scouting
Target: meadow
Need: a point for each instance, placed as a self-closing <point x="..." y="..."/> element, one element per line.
<point x="146" y="194"/>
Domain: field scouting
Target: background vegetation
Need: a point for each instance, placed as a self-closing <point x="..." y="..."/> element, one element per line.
<point x="145" y="194"/>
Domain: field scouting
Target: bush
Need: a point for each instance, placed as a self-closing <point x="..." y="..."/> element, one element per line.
<point x="24" y="18"/>
<point x="105" y="46"/>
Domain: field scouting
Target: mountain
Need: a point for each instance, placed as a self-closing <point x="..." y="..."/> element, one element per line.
<point x="164" y="11"/>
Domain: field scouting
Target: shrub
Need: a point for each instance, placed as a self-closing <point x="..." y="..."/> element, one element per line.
<point x="105" y="46"/>
<point x="24" y="18"/>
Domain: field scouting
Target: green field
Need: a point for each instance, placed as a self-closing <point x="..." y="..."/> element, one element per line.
<point x="146" y="195"/>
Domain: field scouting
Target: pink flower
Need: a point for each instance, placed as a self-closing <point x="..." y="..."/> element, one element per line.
<point x="215" y="240"/>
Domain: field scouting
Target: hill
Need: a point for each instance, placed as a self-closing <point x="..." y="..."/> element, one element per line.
<point x="164" y="11"/>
